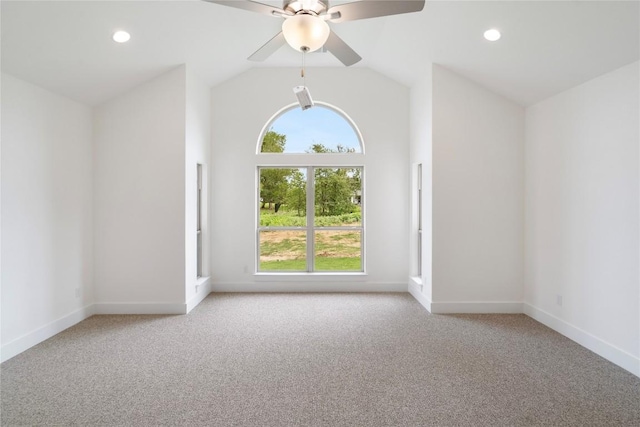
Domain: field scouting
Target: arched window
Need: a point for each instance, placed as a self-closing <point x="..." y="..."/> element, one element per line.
<point x="321" y="129"/>
<point x="310" y="211"/>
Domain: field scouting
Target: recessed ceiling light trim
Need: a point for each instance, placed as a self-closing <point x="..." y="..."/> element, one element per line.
<point x="492" y="35"/>
<point x="121" y="36"/>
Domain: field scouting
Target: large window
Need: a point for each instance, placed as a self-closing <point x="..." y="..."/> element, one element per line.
<point x="310" y="219"/>
<point x="310" y="211"/>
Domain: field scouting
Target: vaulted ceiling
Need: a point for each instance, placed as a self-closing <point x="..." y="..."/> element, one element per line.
<point x="546" y="46"/>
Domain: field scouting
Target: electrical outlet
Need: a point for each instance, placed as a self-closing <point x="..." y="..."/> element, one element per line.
<point x="78" y="293"/>
<point x="246" y="269"/>
<point x="559" y="300"/>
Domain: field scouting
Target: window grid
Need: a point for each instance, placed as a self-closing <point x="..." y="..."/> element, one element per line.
<point x="310" y="228"/>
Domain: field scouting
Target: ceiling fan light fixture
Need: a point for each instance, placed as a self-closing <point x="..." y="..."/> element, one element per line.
<point x="305" y="32"/>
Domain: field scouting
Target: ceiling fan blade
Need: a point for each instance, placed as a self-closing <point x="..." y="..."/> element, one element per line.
<point x="341" y="50"/>
<point x="373" y="9"/>
<point x="269" y="48"/>
<point x="252" y="6"/>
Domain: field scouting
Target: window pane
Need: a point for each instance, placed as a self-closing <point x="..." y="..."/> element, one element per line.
<point x="283" y="197"/>
<point x="283" y="250"/>
<point x="338" y="197"/>
<point x="338" y="250"/>
<point x="316" y="130"/>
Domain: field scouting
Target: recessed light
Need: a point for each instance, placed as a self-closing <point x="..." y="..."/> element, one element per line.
<point x="121" y="36"/>
<point x="492" y="35"/>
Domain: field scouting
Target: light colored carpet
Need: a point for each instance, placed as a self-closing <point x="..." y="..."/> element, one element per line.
<point x="314" y="360"/>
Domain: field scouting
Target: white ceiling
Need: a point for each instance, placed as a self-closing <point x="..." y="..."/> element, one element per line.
<point x="547" y="46"/>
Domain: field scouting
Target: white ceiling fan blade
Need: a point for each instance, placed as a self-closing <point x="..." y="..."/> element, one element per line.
<point x="341" y="50"/>
<point x="372" y="9"/>
<point x="269" y="48"/>
<point x="252" y="6"/>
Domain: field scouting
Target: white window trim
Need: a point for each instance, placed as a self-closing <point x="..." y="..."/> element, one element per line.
<point x="283" y="110"/>
<point x="310" y="228"/>
<point x="319" y="276"/>
<point x="311" y="160"/>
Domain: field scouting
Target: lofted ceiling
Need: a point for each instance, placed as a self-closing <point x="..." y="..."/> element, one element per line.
<point x="546" y="46"/>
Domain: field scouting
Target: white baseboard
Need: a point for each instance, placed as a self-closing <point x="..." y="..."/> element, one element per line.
<point x="302" y="286"/>
<point x="415" y="289"/>
<point x="602" y="348"/>
<point x="610" y="352"/>
<point x="480" y="307"/>
<point x="203" y="288"/>
<point x="43" y="333"/>
<point x="47" y="331"/>
<point x="140" y="308"/>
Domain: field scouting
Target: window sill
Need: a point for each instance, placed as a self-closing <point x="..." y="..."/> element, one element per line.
<point x="201" y="281"/>
<point x="311" y="277"/>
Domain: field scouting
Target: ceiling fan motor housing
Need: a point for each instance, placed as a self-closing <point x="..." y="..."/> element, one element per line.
<point x="313" y="7"/>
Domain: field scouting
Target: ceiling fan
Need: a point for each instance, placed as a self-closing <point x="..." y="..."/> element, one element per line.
<point x="305" y="25"/>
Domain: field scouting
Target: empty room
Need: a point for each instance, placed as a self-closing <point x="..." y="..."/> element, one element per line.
<point x="320" y="213"/>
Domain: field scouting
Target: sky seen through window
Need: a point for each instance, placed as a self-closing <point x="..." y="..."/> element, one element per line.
<point x="317" y="125"/>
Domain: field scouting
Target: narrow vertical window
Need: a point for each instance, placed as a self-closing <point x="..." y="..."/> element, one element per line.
<point x="199" y="223"/>
<point x="419" y="236"/>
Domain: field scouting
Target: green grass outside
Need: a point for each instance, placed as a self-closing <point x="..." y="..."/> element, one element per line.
<point x="285" y="218"/>
<point x="335" y="250"/>
<point x="322" y="264"/>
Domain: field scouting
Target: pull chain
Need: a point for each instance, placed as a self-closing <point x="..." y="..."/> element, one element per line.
<point x="302" y="73"/>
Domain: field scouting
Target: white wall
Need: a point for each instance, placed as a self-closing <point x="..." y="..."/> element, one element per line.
<point x="243" y="105"/>
<point x="421" y="153"/>
<point x="139" y="187"/>
<point x="197" y="151"/>
<point x="47" y="230"/>
<point x="478" y="197"/>
<point x="582" y="214"/>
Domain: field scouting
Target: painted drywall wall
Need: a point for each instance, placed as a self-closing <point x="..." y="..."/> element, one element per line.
<point x="582" y="212"/>
<point x="139" y="196"/>
<point x="420" y="153"/>
<point x="240" y="109"/>
<point x="47" y="230"/>
<point x="478" y="196"/>
<point x="197" y="151"/>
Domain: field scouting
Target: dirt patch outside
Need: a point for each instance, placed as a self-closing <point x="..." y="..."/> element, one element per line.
<point x="291" y="244"/>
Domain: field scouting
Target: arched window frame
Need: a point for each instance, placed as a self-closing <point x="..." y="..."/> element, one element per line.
<point x="310" y="161"/>
<point x="290" y="107"/>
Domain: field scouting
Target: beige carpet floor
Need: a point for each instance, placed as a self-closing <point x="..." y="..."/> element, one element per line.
<point x="314" y="360"/>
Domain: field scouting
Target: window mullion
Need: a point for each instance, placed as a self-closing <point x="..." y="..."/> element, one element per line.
<point x="311" y="213"/>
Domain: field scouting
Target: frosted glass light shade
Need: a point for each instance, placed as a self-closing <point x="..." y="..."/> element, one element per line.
<point x="305" y="31"/>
